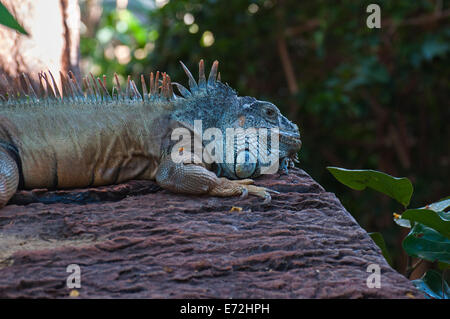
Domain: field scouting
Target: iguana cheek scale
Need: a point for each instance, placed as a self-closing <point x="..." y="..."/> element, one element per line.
<point x="86" y="138"/>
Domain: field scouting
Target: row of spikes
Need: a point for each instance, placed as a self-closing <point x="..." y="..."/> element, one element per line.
<point x="94" y="89"/>
<point x="202" y="85"/>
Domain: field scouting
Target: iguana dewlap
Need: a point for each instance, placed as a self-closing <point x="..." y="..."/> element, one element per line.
<point x="88" y="138"/>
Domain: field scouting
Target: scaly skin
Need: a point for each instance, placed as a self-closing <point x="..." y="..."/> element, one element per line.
<point x="79" y="139"/>
<point x="9" y="177"/>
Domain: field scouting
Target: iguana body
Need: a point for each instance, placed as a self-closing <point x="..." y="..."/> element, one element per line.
<point x="78" y="139"/>
<point x="77" y="146"/>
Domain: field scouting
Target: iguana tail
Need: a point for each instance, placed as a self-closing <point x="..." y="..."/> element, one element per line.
<point x="9" y="177"/>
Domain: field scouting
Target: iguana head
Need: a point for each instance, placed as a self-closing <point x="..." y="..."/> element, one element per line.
<point x="263" y="138"/>
<point x="253" y="113"/>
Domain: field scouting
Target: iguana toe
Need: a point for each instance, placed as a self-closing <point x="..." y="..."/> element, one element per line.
<point x="246" y="181"/>
<point x="262" y="192"/>
<point x="244" y="194"/>
<point x="243" y="188"/>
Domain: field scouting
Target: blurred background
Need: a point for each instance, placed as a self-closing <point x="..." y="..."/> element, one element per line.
<point x="363" y="98"/>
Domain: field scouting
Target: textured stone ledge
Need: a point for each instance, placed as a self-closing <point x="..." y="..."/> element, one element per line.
<point x="134" y="240"/>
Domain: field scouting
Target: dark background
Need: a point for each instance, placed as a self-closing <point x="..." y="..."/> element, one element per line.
<point x="363" y="98"/>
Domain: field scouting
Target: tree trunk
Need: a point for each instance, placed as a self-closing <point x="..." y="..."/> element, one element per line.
<point x="52" y="44"/>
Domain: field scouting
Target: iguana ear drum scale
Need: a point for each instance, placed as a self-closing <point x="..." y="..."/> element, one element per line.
<point x="86" y="136"/>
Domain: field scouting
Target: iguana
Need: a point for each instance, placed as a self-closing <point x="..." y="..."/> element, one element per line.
<point x="73" y="137"/>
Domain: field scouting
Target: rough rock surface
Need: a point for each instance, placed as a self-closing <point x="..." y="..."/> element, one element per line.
<point x="156" y="244"/>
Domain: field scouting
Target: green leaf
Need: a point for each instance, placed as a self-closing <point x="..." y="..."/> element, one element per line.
<point x="8" y="20"/>
<point x="439" y="221"/>
<point x="426" y="243"/>
<point x="443" y="266"/>
<point x="439" y="206"/>
<point x="399" y="189"/>
<point x="379" y="240"/>
<point x="402" y="222"/>
<point x="433" y="285"/>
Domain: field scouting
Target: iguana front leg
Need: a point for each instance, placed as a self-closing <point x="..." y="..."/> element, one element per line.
<point x="9" y="177"/>
<point x="195" y="179"/>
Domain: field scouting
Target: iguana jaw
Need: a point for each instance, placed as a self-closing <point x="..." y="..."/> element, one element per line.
<point x="290" y="141"/>
<point x="290" y="144"/>
<point x="291" y="138"/>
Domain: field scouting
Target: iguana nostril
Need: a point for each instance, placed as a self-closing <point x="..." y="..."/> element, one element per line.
<point x="241" y="121"/>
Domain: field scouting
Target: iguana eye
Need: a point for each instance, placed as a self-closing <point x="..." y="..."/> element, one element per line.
<point x="270" y="112"/>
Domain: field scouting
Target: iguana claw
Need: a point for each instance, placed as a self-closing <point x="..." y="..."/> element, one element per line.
<point x="267" y="199"/>
<point x="244" y="194"/>
<point x="243" y="188"/>
<point x="260" y="192"/>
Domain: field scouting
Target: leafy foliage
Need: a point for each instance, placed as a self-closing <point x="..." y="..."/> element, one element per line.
<point x="433" y="285"/>
<point x="429" y="237"/>
<point x="439" y="206"/>
<point x="399" y="189"/>
<point x="426" y="243"/>
<point x="439" y="221"/>
<point x="8" y="20"/>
